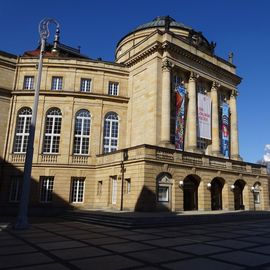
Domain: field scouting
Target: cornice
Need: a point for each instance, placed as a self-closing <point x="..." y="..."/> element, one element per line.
<point x="4" y="92"/>
<point x="197" y="59"/>
<point x="151" y="49"/>
<point x="117" y="99"/>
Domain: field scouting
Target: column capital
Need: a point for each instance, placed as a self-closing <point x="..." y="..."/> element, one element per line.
<point x="234" y="93"/>
<point x="215" y="85"/>
<point x="167" y="65"/>
<point x="193" y="76"/>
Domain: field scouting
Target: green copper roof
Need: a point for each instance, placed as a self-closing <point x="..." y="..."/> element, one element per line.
<point x="161" y="21"/>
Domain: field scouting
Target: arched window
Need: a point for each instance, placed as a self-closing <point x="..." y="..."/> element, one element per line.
<point x="22" y="130"/>
<point x="82" y="132"/>
<point x="52" y="131"/>
<point x="110" y="139"/>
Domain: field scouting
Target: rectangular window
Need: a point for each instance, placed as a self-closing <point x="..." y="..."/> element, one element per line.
<point x="128" y="186"/>
<point x="85" y="85"/>
<point x="28" y="83"/>
<point x="46" y="188"/>
<point x="99" y="188"/>
<point x="15" y="189"/>
<point x="77" y="189"/>
<point x="113" y="88"/>
<point x="57" y="83"/>
<point x="163" y="193"/>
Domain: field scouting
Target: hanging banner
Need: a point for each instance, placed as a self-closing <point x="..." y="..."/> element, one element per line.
<point x="204" y="116"/>
<point x="180" y="118"/>
<point x="225" y="130"/>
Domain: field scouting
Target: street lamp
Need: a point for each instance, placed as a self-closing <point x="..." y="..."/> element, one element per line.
<point x="22" y="220"/>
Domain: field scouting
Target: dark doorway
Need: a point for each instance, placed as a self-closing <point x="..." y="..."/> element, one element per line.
<point x="216" y="194"/>
<point x="238" y="195"/>
<point x="190" y="194"/>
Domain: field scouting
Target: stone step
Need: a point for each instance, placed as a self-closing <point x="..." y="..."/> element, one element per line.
<point x="135" y="221"/>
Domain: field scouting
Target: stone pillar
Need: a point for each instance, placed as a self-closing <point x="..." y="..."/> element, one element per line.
<point x="166" y="102"/>
<point x="215" y="120"/>
<point x="234" y="127"/>
<point x="192" y="114"/>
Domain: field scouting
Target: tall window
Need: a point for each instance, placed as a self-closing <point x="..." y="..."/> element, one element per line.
<point x="85" y="85"/>
<point x="28" y="83"/>
<point x="57" y="83"/>
<point x="110" y="140"/>
<point x="82" y="132"/>
<point x="52" y="131"/>
<point x="77" y="189"/>
<point x="22" y="130"/>
<point x="15" y="190"/>
<point x="113" y="88"/>
<point x="46" y="188"/>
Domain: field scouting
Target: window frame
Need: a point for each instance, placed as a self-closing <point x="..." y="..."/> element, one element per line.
<point x="28" y="82"/>
<point x="113" y="88"/>
<point x="57" y="83"/>
<point x="15" y="186"/>
<point x="46" y="195"/>
<point x="81" y="138"/>
<point x="110" y="126"/>
<point x="86" y="85"/>
<point x="77" y="189"/>
<point x="52" y="142"/>
<point x="23" y="122"/>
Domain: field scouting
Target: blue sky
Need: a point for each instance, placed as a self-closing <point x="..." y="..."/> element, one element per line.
<point x="240" y="26"/>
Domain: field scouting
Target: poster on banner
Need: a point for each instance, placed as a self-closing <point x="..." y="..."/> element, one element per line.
<point x="225" y="130"/>
<point x="180" y="118"/>
<point x="204" y="116"/>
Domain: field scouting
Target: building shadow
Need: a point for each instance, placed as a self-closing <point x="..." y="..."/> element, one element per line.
<point x="10" y="207"/>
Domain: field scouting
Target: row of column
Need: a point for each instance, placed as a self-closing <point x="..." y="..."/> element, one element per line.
<point x="192" y="114"/>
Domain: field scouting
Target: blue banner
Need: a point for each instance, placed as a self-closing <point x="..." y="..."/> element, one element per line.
<point x="225" y="130"/>
<point x="180" y="118"/>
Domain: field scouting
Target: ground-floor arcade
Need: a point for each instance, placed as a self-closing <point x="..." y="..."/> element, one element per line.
<point x="146" y="178"/>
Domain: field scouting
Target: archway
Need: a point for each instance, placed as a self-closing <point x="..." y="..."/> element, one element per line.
<point x="238" y="195"/>
<point x="216" y="193"/>
<point x="190" y="189"/>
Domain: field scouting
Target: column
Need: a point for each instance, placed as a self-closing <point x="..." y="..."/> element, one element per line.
<point x="215" y="120"/>
<point x="192" y="114"/>
<point x="166" y="102"/>
<point x="234" y="127"/>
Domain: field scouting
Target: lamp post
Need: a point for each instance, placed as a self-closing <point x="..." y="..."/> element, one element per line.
<point x="22" y="220"/>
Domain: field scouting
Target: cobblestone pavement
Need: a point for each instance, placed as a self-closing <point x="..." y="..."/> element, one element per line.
<point x="59" y="244"/>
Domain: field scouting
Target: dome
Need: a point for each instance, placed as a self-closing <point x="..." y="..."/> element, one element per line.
<point x="161" y="21"/>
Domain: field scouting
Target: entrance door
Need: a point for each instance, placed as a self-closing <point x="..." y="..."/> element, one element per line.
<point x="216" y="195"/>
<point x="114" y="190"/>
<point x="190" y="194"/>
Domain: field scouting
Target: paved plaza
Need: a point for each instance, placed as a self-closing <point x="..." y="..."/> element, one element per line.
<point x="61" y="244"/>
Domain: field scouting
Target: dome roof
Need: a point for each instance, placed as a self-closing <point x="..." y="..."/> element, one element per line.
<point x="161" y="21"/>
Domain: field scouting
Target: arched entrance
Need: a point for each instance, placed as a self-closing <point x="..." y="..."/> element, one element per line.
<point x="190" y="189"/>
<point x="216" y="194"/>
<point x="238" y="195"/>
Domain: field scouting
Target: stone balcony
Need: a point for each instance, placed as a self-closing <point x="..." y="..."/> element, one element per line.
<point x="159" y="154"/>
<point x="151" y="153"/>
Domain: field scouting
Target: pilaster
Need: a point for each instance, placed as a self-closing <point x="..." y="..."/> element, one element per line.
<point x="234" y="127"/>
<point x="215" y="120"/>
<point x="192" y="114"/>
<point x="166" y="102"/>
